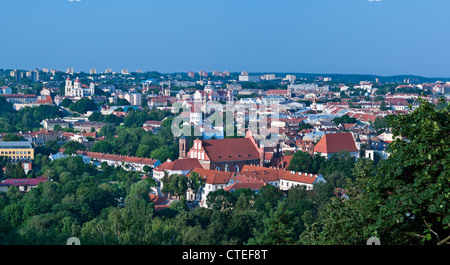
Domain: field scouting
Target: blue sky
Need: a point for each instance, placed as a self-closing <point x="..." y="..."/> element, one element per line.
<point x="309" y="36"/>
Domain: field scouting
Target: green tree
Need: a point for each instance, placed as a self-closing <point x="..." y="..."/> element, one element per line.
<point x="83" y="105"/>
<point x="12" y="137"/>
<point x="304" y="162"/>
<point x="403" y="201"/>
<point x="349" y="219"/>
<point x="344" y="119"/>
<point x="268" y="198"/>
<point x="277" y="228"/>
<point x="72" y="147"/>
<point x="220" y="200"/>
<point x="383" y="106"/>
<point x="194" y="182"/>
<point x="413" y="183"/>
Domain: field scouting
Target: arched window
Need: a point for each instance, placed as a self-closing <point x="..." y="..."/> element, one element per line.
<point x="236" y="169"/>
<point x="217" y="168"/>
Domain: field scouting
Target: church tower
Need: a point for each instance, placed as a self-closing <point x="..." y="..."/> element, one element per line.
<point x="69" y="87"/>
<point x="314" y="105"/>
<point x="92" y="88"/>
<point x="182" y="142"/>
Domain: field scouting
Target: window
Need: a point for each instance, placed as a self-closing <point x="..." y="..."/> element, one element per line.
<point x="236" y="169"/>
<point x="217" y="168"/>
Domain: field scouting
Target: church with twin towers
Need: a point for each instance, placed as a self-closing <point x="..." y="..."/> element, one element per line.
<point x="78" y="90"/>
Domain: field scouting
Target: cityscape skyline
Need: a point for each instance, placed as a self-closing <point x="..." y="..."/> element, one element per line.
<point x="356" y="37"/>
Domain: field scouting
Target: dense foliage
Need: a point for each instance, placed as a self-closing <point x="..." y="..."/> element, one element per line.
<point x="137" y="142"/>
<point x="26" y="119"/>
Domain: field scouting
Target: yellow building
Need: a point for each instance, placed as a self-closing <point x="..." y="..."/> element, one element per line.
<point x="16" y="150"/>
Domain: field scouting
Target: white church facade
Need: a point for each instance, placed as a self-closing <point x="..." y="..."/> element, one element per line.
<point x="76" y="89"/>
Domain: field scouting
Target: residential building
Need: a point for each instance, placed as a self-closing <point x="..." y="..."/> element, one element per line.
<point x="86" y="126"/>
<point x="291" y="78"/>
<point x="21" y="98"/>
<point x="178" y="166"/>
<point x="135" y="99"/>
<point x="50" y="124"/>
<point x="268" y="77"/>
<point x="333" y="143"/>
<point x="249" y="78"/>
<point x="203" y="73"/>
<point x="153" y="126"/>
<point x="251" y="177"/>
<point x="127" y="162"/>
<point x="17" y="150"/>
<point x="24" y="185"/>
<point x="291" y="179"/>
<point x="214" y="180"/>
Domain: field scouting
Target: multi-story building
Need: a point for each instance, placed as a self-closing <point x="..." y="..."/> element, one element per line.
<point x="249" y="78"/>
<point x="203" y="73"/>
<point x="24" y="185"/>
<point x="20" y="98"/>
<point x="135" y="99"/>
<point x="33" y="75"/>
<point x="268" y="77"/>
<point x="291" y="78"/>
<point x="17" y="150"/>
<point x="49" y="124"/>
<point x="86" y="126"/>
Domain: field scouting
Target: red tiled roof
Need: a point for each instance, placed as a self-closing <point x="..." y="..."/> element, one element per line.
<point x="336" y="142"/>
<point x="276" y="92"/>
<point x="157" y="200"/>
<point x="287" y="160"/>
<point x="129" y="159"/>
<point x="212" y="176"/>
<point x="23" y="182"/>
<point x="179" y="165"/>
<point x="154" y="123"/>
<point x="262" y="175"/>
<point x="245" y="185"/>
<point x="230" y="149"/>
<point x="348" y="125"/>
<point x="299" y="177"/>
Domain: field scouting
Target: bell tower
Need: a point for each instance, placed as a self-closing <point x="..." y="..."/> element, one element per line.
<point x="182" y="142"/>
<point x="68" y="87"/>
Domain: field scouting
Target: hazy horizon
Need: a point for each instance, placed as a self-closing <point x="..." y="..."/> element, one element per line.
<point x="354" y="37"/>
